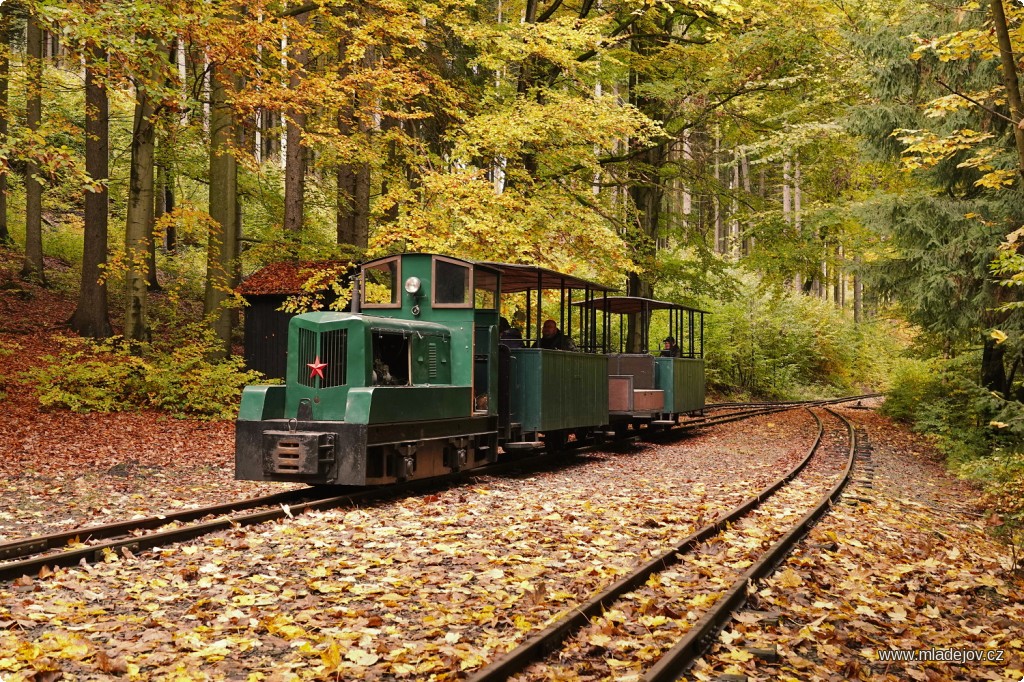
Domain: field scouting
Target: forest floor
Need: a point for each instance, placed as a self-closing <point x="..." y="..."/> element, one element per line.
<point x="434" y="587"/>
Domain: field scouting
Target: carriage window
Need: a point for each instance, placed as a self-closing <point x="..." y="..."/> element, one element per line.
<point x="451" y="284"/>
<point x="380" y="284"/>
<point x="485" y="287"/>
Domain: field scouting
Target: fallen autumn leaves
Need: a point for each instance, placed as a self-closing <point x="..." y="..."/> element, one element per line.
<point x="417" y="588"/>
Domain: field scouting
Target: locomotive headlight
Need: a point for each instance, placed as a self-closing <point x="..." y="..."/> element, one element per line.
<point x="412" y="285"/>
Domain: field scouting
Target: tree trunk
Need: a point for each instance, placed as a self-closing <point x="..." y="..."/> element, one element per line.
<point x="748" y="242"/>
<point x="5" y="76"/>
<point x="139" y="224"/>
<point x="33" y="266"/>
<point x="222" y="249"/>
<point x="1010" y="82"/>
<point x="717" y="199"/>
<point x="993" y="371"/>
<point x="838" y="289"/>
<point x="353" y="196"/>
<point x="858" y="293"/>
<point x="92" y="318"/>
<point x="295" y="159"/>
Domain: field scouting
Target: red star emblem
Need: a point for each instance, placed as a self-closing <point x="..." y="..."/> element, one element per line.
<point x="316" y="368"/>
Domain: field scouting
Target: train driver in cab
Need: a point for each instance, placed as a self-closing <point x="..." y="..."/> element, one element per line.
<point x="552" y="338"/>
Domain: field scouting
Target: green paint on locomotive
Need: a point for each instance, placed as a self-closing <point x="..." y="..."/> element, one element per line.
<point x="335" y="363"/>
<point x="357" y="368"/>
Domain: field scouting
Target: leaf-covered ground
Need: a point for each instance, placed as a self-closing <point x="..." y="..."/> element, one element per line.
<point x="902" y="564"/>
<point x="59" y="470"/>
<point x="434" y="586"/>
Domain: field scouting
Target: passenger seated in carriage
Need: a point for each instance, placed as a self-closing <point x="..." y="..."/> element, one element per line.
<point x="669" y="349"/>
<point x="509" y="335"/>
<point x="552" y="338"/>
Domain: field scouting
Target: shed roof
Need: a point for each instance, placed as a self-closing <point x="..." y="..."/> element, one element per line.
<point x="286" y="278"/>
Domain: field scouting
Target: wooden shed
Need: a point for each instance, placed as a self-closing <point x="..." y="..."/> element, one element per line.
<point x="265" y="291"/>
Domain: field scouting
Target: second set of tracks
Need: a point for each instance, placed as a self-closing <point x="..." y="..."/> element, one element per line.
<point x="664" y="603"/>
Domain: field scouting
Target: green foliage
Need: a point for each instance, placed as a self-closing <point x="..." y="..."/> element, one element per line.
<point x="5" y="349"/>
<point x="1003" y="475"/>
<point x="174" y="374"/>
<point x="782" y="345"/>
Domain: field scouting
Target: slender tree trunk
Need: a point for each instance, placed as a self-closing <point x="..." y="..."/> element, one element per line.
<point x="91" y="317"/>
<point x="5" y="75"/>
<point x="222" y="249"/>
<point x="353" y="199"/>
<point x="837" y="291"/>
<point x="687" y="197"/>
<point x="858" y="293"/>
<point x="787" y="213"/>
<point x="993" y="369"/>
<point x="1010" y="82"/>
<point x="734" y="223"/>
<point x="139" y="224"/>
<point x="717" y="201"/>
<point x="748" y="242"/>
<point x="33" y="266"/>
<point x="295" y="158"/>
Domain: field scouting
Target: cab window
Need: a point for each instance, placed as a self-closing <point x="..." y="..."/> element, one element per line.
<point x="485" y="290"/>
<point x="451" y="284"/>
<point x="380" y="284"/>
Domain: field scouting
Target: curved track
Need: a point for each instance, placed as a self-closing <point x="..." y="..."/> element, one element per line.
<point x="563" y="640"/>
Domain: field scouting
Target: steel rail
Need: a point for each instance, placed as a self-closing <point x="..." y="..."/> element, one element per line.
<point x="29" y="557"/>
<point x="680" y="657"/>
<point x="35" y="545"/>
<point x="537" y="647"/>
<point x="775" y="407"/>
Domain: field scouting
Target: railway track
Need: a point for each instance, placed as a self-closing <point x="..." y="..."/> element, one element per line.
<point x="715" y="565"/>
<point x="89" y="544"/>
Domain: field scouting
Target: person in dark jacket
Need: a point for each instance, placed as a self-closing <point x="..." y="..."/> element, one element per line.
<point x="552" y="338"/>
<point x="669" y="349"/>
<point x="509" y="335"/>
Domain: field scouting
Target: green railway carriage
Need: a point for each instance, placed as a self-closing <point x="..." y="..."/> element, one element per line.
<point x="642" y="388"/>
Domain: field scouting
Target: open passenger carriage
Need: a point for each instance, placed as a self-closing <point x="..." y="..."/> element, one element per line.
<point x="551" y="392"/>
<point x="651" y="384"/>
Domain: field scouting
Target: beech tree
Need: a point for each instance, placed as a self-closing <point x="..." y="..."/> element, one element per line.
<point x="6" y="28"/>
<point x="33" y="265"/>
<point x="91" y="317"/>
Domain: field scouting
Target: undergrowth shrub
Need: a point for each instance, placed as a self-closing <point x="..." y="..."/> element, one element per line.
<point x="781" y="345"/>
<point x="5" y="350"/>
<point x="1003" y="477"/>
<point x="175" y="374"/>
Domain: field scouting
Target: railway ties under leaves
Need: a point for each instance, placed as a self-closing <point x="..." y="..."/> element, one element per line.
<point x="652" y="624"/>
